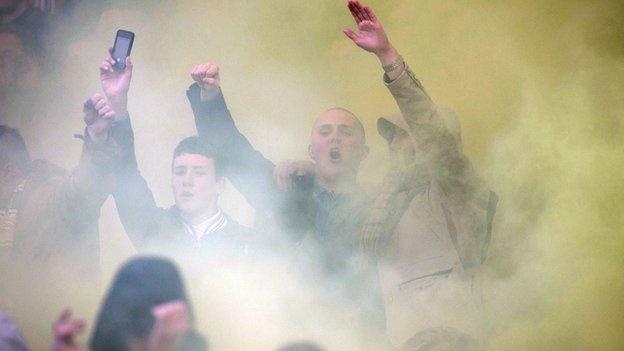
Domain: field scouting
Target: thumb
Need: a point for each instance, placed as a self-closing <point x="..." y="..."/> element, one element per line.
<point x="349" y="33"/>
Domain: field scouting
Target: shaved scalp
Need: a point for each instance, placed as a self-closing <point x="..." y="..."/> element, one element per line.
<point x="358" y="124"/>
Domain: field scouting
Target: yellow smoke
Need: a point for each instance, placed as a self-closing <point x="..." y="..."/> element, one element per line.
<point x="538" y="87"/>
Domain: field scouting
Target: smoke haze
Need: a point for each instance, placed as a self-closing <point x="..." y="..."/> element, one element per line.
<point x="538" y="88"/>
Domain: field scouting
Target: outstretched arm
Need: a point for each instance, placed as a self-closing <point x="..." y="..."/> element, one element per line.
<point x="372" y="38"/>
<point x="427" y="126"/>
<point x="249" y="171"/>
<point x="135" y="202"/>
<point x="78" y="198"/>
<point x="471" y="205"/>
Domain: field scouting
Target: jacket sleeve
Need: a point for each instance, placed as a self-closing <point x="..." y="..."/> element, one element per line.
<point x="134" y="200"/>
<point x="468" y="204"/>
<point x="248" y="170"/>
<point x="78" y="195"/>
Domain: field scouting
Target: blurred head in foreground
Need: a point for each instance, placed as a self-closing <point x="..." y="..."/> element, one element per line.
<point x="146" y="302"/>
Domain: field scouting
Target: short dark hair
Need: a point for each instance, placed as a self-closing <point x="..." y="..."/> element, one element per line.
<point x="13" y="149"/>
<point x="195" y="145"/>
<point x="140" y="284"/>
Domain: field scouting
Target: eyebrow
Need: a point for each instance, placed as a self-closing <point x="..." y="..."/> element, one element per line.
<point x="329" y="125"/>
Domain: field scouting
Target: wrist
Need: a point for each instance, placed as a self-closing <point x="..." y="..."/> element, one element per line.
<point x="388" y="55"/>
<point x="119" y="104"/>
<point x="96" y="136"/>
<point x="208" y="94"/>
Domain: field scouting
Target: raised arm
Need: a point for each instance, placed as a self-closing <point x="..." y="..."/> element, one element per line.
<point x="135" y="202"/>
<point x="434" y="135"/>
<point x="248" y="170"/>
<point x="433" y="131"/>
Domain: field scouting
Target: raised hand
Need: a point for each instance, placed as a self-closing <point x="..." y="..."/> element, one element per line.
<point x="116" y="84"/>
<point x="207" y="77"/>
<point x="172" y="324"/>
<point x="371" y="36"/>
<point x="65" y="331"/>
<point x="98" y="116"/>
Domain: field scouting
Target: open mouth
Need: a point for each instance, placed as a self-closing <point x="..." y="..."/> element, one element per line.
<point x="334" y="154"/>
<point x="187" y="194"/>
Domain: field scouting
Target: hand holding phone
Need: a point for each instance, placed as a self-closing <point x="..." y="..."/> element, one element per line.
<point x="122" y="48"/>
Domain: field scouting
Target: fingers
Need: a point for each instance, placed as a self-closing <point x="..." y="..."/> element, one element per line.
<point x="357" y="11"/>
<point x="96" y="108"/>
<point x="172" y="316"/>
<point x="89" y="104"/>
<point x="104" y="110"/>
<point x="66" y="327"/>
<point x="99" y="104"/>
<point x="365" y="11"/>
<point x="206" y="70"/>
<point x="110" y="115"/>
<point x="370" y="14"/>
<point x="354" y="13"/>
<point x="106" y="66"/>
<point x="210" y="81"/>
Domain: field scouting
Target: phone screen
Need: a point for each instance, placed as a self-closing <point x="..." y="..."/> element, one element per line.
<point x="121" y="48"/>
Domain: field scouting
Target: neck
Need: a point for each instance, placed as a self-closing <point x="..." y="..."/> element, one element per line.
<point x="337" y="185"/>
<point x="194" y="218"/>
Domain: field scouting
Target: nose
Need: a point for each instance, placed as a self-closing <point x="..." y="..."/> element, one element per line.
<point x="188" y="179"/>
<point x="335" y="137"/>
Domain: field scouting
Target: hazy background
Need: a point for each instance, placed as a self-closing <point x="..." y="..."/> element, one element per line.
<point x="538" y="87"/>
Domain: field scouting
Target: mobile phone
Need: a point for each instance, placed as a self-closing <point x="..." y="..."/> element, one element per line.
<point x="122" y="48"/>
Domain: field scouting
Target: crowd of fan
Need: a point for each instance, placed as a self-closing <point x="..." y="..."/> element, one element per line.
<point x="407" y="255"/>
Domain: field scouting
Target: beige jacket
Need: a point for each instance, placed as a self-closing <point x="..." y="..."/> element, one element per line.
<point x="443" y="222"/>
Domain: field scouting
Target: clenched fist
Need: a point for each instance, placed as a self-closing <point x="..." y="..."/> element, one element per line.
<point x="98" y="116"/>
<point x="207" y="77"/>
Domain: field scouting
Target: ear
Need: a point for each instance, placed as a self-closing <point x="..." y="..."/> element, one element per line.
<point x="310" y="152"/>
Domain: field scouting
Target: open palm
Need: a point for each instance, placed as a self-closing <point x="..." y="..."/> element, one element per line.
<point x="371" y="36"/>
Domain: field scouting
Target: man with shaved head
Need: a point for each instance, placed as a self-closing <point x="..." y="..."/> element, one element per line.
<point x="427" y="229"/>
<point x="429" y="226"/>
<point x="319" y="221"/>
